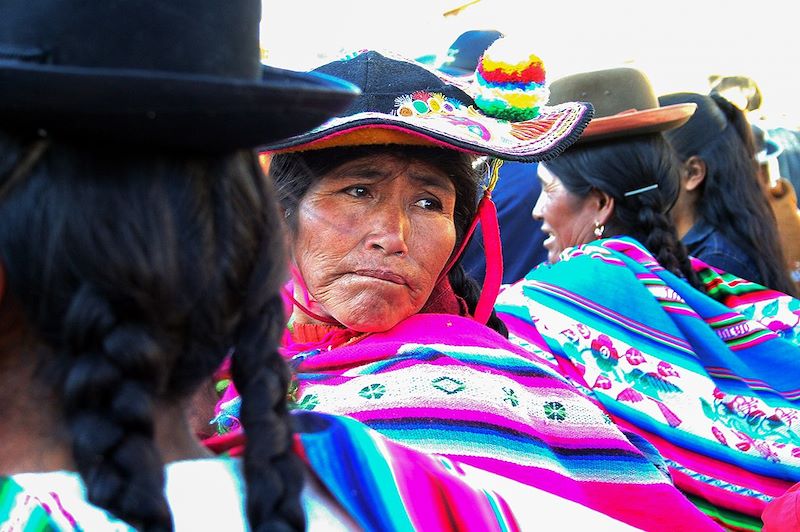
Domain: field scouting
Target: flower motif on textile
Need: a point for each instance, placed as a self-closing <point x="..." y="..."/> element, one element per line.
<point x="602" y="382"/>
<point x="585" y="331"/>
<point x="555" y="411"/>
<point x="605" y="354"/>
<point x="634" y="356"/>
<point x="787" y="416"/>
<point x="742" y="405"/>
<point x="665" y="369"/>
<point x="605" y="347"/>
<point x="757" y="430"/>
<point x="373" y="391"/>
<point x="423" y="103"/>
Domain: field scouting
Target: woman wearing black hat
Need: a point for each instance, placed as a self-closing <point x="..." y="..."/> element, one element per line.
<point x="126" y="270"/>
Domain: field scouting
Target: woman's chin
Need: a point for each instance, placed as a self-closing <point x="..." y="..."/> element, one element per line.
<point x="374" y="320"/>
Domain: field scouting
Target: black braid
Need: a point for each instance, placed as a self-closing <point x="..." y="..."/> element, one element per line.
<point x="108" y="404"/>
<point x="468" y="288"/>
<point x="658" y="235"/>
<point x="273" y="472"/>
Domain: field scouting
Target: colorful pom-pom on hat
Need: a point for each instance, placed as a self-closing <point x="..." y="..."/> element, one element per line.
<point x="510" y="82"/>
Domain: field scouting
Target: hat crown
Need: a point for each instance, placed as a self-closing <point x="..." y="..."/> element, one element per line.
<point x="610" y="91"/>
<point x="201" y="37"/>
<point x="383" y="79"/>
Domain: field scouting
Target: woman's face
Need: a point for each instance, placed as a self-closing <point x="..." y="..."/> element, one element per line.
<point x="567" y="218"/>
<point x="372" y="237"/>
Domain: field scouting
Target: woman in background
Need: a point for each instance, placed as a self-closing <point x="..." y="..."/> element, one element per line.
<point x="722" y="214"/>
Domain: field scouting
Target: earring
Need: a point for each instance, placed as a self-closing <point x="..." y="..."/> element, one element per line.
<point x="599" y="229"/>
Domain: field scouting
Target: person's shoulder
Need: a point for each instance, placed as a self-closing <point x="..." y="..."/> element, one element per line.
<point x="720" y="252"/>
<point x="53" y="500"/>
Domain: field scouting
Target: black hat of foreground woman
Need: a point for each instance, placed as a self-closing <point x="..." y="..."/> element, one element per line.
<point x="170" y="73"/>
<point x="406" y="102"/>
<point x="624" y="101"/>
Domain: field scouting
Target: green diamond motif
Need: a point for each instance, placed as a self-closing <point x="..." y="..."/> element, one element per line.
<point x="448" y="385"/>
<point x="373" y="391"/>
<point x="555" y="411"/>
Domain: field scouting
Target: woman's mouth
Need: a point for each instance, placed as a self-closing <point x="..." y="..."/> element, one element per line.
<point x="382" y="275"/>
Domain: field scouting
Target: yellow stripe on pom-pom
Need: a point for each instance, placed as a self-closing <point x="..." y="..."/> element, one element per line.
<point x="511" y="68"/>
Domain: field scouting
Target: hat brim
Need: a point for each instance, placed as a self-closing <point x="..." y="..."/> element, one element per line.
<point x="638" y="122"/>
<point x="175" y="110"/>
<point x="539" y="139"/>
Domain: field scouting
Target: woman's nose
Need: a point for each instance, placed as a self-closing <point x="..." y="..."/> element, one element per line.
<point x="538" y="208"/>
<point x="389" y="231"/>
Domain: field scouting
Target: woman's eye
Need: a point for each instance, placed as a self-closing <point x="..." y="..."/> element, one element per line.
<point x="357" y="191"/>
<point x="429" y="204"/>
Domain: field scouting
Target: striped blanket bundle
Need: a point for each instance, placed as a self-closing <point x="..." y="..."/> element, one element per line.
<point x="711" y="379"/>
<point x="445" y="385"/>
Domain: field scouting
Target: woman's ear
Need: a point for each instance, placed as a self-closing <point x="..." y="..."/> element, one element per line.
<point x="605" y="207"/>
<point x="693" y="173"/>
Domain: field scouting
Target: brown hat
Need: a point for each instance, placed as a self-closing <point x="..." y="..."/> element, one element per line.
<point x="624" y="103"/>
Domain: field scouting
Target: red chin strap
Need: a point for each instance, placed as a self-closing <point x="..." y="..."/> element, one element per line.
<point x="487" y="216"/>
<point x="297" y="278"/>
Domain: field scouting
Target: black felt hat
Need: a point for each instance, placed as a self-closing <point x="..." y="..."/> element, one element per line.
<point x="170" y="73"/>
<point x="405" y="102"/>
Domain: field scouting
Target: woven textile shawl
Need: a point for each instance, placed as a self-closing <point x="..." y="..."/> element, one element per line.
<point x="445" y="384"/>
<point x="712" y="380"/>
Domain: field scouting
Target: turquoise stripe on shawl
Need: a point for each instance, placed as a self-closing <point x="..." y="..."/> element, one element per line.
<point x="385" y="486"/>
<point x="580" y="464"/>
<point x="28" y="515"/>
<point x="367" y="491"/>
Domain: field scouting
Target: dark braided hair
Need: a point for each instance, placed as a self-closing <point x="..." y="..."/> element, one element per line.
<point x="136" y="273"/>
<point x="618" y="166"/>
<point x="733" y="201"/>
<point x="294" y="173"/>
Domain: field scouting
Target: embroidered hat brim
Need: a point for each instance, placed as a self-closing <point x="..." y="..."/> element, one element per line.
<point x="421" y="105"/>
